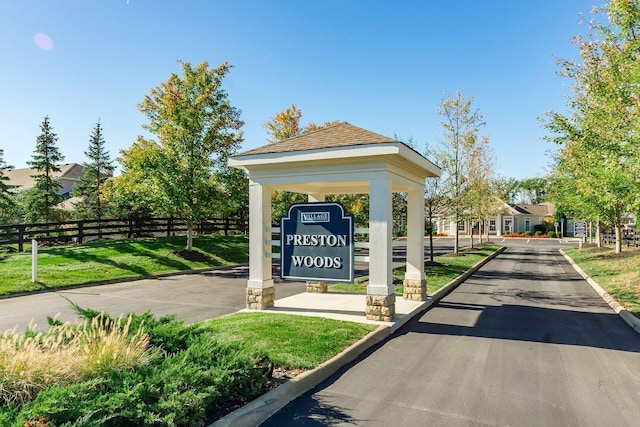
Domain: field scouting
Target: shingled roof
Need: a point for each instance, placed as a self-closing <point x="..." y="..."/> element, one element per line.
<point x="339" y="135"/>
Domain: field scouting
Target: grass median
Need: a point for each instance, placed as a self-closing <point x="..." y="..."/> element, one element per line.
<point x="618" y="274"/>
<point x="107" y="260"/>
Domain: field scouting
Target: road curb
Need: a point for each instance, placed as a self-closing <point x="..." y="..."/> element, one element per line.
<point x="259" y="410"/>
<point x="629" y="318"/>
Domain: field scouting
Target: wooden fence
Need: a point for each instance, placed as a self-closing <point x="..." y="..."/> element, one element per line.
<point x="630" y="237"/>
<point x="83" y="230"/>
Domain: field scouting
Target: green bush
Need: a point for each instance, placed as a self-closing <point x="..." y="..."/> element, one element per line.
<point x="551" y="234"/>
<point x="538" y="233"/>
<point x="188" y="378"/>
<point x="527" y="233"/>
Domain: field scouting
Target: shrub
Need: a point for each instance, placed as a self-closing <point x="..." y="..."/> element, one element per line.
<point x="66" y="354"/>
<point x="551" y="234"/>
<point x="528" y="233"/>
<point x="538" y="233"/>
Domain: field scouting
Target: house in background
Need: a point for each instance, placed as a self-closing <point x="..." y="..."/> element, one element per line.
<point x="510" y="218"/>
<point x="68" y="177"/>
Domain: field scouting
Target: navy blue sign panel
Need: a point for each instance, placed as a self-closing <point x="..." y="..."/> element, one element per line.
<point x="316" y="243"/>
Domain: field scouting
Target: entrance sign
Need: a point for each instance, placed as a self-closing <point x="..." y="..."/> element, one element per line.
<point x="580" y="229"/>
<point x="316" y="243"/>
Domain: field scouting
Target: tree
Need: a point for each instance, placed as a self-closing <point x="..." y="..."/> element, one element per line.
<point x="479" y="198"/>
<point x="197" y="127"/>
<point x="599" y="141"/>
<point x="6" y="201"/>
<point x="41" y="200"/>
<point x="533" y="190"/>
<point x="136" y="193"/>
<point x="281" y="126"/>
<point x="96" y="171"/>
<point x="461" y="123"/>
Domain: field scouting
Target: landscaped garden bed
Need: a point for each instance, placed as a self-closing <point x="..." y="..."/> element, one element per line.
<point x="140" y="370"/>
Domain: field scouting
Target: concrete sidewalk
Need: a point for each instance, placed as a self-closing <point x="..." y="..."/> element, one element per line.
<point x="343" y="306"/>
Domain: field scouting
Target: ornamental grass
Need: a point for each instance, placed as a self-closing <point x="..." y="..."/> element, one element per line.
<point x="66" y="354"/>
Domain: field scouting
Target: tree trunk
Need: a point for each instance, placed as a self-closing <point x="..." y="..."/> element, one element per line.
<point x="618" y="229"/>
<point x="189" y="236"/>
<point x="598" y="235"/>
<point x="456" y="246"/>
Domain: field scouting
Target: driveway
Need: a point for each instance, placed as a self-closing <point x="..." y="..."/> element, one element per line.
<point x="524" y="342"/>
<point x="193" y="297"/>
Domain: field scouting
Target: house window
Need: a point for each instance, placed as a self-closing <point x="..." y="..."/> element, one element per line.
<point x="492" y="225"/>
<point x="527" y="224"/>
<point x="461" y="226"/>
<point x="445" y="226"/>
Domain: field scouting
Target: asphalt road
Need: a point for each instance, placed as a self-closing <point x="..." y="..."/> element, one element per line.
<point x="193" y="297"/>
<point x="523" y="342"/>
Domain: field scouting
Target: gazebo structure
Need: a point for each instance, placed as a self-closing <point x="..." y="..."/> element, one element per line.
<point x="340" y="159"/>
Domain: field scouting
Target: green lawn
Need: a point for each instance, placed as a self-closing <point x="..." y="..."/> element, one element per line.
<point x="437" y="276"/>
<point x="115" y="259"/>
<point x="292" y="342"/>
<point x="619" y="274"/>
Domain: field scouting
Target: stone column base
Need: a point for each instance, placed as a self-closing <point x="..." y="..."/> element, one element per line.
<point x="317" y="287"/>
<point x="415" y="290"/>
<point x="381" y="307"/>
<point x="260" y="299"/>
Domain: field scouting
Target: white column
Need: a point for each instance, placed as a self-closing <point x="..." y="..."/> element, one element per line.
<point x="260" y="274"/>
<point x="499" y="225"/>
<point x="415" y="236"/>
<point x="380" y="228"/>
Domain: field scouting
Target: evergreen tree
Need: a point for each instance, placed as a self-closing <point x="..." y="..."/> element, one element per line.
<point x="41" y="200"/>
<point x="96" y="171"/>
<point x="6" y="201"/>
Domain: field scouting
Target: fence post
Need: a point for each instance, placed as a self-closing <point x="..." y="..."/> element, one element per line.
<point x="169" y="224"/>
<point x="226" y="226"/>
<point x="80" y="232"/>
<point x="34" y="261"/>
<point x="21" y="230"/>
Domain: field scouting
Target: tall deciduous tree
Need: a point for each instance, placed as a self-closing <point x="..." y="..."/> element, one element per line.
<point x="197" y="127"/>
<point x="96" y="171"/>
<point x="41" y="200"/>
<point x="461" y="123"/>
<point x="599" y="141"/>
<point x="136" y="192"/>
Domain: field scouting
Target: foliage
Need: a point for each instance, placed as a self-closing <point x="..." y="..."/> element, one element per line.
<point x="136" y="193"/>
<point x="94" y="174"/>
<point x="285" y="125"/>
<point x="461" y="123"/>
<point x="6" y="199"/>
<point x="596" y="174"/>
<point x="182" y="387"/>
<point x="40" y="201"/>
<point x="67" y="354"/>
<point x="197" y="128"/>
<point x="533" y="190"/>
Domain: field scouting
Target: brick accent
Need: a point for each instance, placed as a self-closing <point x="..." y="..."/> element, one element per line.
<point x="317" y="287"/>
<point x="381" y="307"/>
<point x="260" y="299"/>
<point x="415" y="290"/>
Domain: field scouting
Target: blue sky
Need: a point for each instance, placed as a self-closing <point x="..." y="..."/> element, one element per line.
<point x="381" y="65"/>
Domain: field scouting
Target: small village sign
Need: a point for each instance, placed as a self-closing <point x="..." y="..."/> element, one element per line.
<point x="316" y="243"/>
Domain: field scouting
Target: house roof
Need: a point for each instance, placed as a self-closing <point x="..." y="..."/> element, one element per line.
<point x="21" y="179"/>
<point x="339" y="135"/>
<point x="541" y="209"/>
